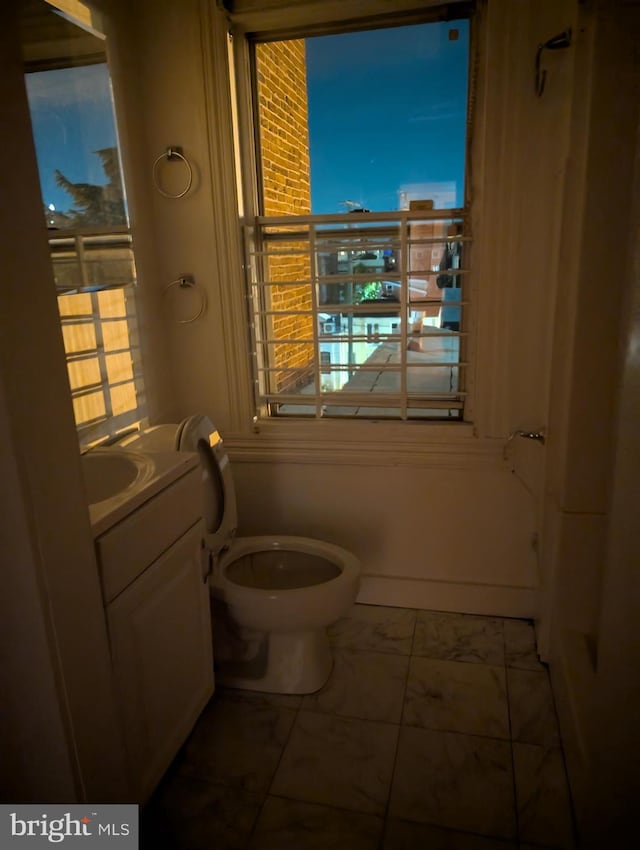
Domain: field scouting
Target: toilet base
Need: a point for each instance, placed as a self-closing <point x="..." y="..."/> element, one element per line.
<point x="274" y="663"/>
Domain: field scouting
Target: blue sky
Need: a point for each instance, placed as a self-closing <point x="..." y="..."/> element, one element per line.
<point x="386" y="108"/>
<point x="72" y="116"/>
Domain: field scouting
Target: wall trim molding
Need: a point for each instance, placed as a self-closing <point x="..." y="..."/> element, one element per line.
<point x="461" y="597"/>
<point x="285" y="448"/>
<point x="283" y="15"/>
<point x="224" y="196"/>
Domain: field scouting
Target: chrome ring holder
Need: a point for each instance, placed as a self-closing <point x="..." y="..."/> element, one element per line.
<point x="188" y="282"/>
<point x="170" y="154"/>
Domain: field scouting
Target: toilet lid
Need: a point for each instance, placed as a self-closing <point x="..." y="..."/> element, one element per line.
<point x="193" y="429"/>
<point x="199" y="434"/>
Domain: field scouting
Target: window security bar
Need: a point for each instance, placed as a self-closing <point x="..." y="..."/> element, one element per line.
<point x="332" y="279"/>
<point x="351" y="314"/>
<point x="379" y="400"/>
<point x="356" y="219"/>
<point x="103" y="360"/>
<point x="354" y="338"/>
<point x="92" y="258"/>
<point x="364" y="367"/>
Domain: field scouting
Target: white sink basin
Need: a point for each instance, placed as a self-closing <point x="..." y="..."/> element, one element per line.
<point x="117" y="481"/>
<point x="112" y="472"/>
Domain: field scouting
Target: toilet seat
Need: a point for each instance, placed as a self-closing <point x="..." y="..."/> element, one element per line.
<point x="220" y="512"/>
<point x="294" y="608"/>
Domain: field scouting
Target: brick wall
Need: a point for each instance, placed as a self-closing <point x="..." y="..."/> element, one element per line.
<point x="284" y="142"/>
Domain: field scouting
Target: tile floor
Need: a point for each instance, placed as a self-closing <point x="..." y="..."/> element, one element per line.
<point x="435" y="732"/>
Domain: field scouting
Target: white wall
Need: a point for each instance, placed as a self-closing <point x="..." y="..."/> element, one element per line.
<point x="35" y="757"/>
<point x="156" y="58"/>
<point x="592" y="597"/>
<point x="442" y="527"/>
<point x="58" y="714"/>
<point x="403" y="523"/>
<point x="614" y="737"/>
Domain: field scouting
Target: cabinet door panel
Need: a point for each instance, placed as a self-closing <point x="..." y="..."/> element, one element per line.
<point x="160" y="633"/>
<point x="135" y="542"/>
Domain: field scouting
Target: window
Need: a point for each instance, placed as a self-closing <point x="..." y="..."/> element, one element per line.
<point x="84" y="204"/>
<point x="359" y="252"/>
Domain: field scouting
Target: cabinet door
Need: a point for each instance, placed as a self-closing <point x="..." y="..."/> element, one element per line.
<point x="160" y="633"/>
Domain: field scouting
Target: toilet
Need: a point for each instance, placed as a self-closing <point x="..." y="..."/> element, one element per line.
<point x="273" y="596"/>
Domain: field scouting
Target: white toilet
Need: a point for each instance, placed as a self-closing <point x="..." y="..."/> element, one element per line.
<point x="273" y="597"/>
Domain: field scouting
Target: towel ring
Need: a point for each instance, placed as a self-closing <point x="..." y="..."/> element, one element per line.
<point x="169" y="154"/>
<point x="189" y="283"/>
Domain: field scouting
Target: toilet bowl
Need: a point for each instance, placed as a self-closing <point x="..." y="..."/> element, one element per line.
<point x="273" y="596"/>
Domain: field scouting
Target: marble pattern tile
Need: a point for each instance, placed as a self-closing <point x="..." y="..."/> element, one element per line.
<point x="368" y="685"/>
<point x="338" y="761"/>
<point x="544" y="812"/>
<point x="237" y="743"/>
<point x="520" y="645"/>
<point x="328" y="760"/>
<point x="459" y="637"/>
<point x="407" y="835"/>
<point x="376" y="628"/>
<point x="457" y="781"/>
<point x="190" y="814"/>
<point x="457" y="697"/>
<point x="533" y="714"/>
<point x="291" y="824"/>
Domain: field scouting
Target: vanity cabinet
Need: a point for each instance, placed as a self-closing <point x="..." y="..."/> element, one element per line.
<point x="154" y="580"/>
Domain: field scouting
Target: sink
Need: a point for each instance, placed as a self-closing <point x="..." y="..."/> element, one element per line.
<point x="117" y="481"/>
<point x="112" y="472"/>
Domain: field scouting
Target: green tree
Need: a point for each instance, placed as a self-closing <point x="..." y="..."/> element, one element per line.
<point x="97" y="205"/>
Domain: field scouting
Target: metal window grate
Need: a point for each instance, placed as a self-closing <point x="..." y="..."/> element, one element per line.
<point x="360" y="314"/>
<point x="85" y="259"/>
<point x="103" y="361"/>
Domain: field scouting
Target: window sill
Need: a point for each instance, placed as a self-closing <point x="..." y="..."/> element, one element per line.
<point x="452" y="445"/>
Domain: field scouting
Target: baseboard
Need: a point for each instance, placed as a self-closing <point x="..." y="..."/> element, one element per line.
<point x="572" y="680"/>
<point x="464" y="598"/>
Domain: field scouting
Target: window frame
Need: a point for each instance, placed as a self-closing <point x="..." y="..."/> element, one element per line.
<point x="69" y="246"/>
<point x="249" y="184"/>
<point x="227" y="81"/>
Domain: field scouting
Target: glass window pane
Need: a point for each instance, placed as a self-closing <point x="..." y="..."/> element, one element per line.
<point x="76" y="145"/>
<point x="353" y="127"/>
<point x="384" y="115"/>
<point x="400" y="137"/>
